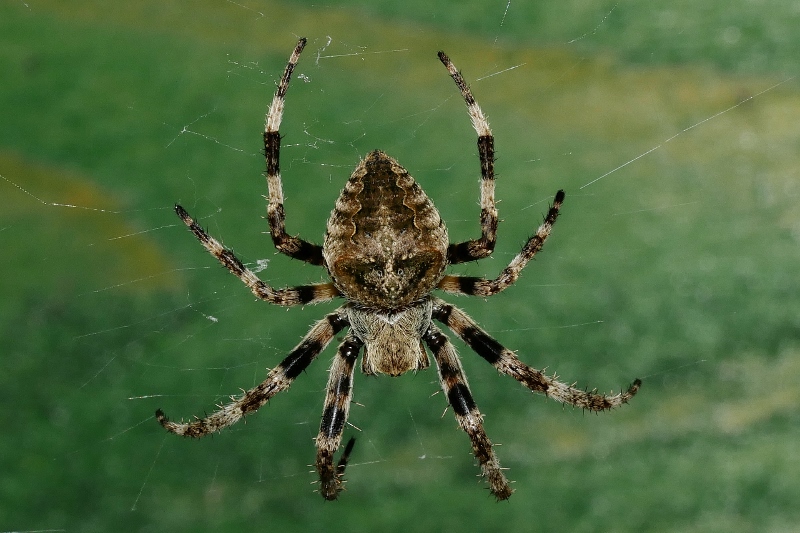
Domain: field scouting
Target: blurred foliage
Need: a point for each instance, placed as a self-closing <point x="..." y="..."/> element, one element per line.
<point x="672" y="127"/>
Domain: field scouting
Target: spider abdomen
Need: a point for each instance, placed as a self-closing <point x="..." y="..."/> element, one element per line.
<point x="386" y="245"/>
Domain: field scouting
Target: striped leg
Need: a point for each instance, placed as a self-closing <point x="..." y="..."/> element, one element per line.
<point x="334" y="417"/>
<point x="508" y="363"/>
<point x="294" y="247"/>
<point x="454" y="385"/>
<point x="279" y="379"/>
<point x="483" y="247"/>
<point x="302" y="295"/>
<point x="483" y="287"/>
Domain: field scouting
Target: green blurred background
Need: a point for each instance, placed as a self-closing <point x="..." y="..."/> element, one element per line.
<point x="673" y="126"/>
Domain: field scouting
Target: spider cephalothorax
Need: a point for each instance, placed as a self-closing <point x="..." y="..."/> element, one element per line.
<point x="386" y="249"/>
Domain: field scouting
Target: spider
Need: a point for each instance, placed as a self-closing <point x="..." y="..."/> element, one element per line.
<point x="386" y="249"/>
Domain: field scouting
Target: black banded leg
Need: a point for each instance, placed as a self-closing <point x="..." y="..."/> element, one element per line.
<point x="334" y="418"/>
<point x="454" y="385"/>
<point x="304" y="294"/>
<point x="292" y="246"/>
<point x="279" y="379"/>
<point x="483" y="247"/>
<point x="508" y="363"/>
<point x="482" y="287"/>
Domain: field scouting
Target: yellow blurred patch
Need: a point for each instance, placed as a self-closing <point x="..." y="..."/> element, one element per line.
<point x="76" y="230"/>
<point x="768" y="388"/>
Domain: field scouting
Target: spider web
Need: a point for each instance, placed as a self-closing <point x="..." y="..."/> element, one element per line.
<point x="678" y="240"/>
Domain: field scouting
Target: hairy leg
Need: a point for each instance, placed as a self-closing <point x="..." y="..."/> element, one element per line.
<point x="483" y="287"/>
<point x="279" y="379"/>
<point x="292" y="246"/>
<point x="508" y="363"/>
<point x="334" y="418"/>
<point x="454" y="385"/>
<point x="290" y="296"/>
<point x="482" y="247"/>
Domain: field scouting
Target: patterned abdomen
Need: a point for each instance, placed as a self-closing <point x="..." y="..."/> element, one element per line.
<point x="385" y="245"/>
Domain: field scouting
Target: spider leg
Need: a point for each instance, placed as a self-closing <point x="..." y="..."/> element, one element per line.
<point x="483" y="247"/>
<point x="483" y="287"/>
<point x="334" y="417"/>
<point x="454" y="385"/>
<point x="508" y="363"/>
<point x="279" y="379"/>
<point x="294" y="247"/>
<point x="289" y="296"/>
